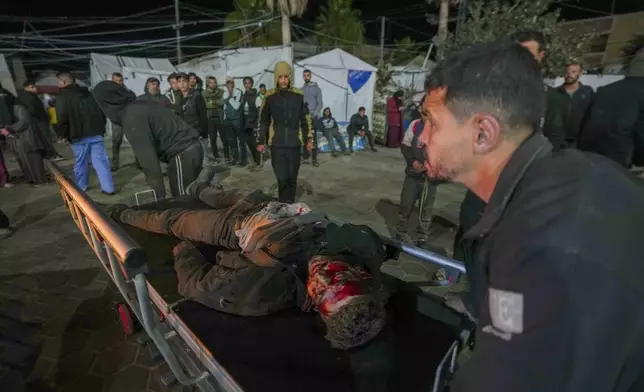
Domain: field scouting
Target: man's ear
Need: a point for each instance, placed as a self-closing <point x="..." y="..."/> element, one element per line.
<point x="487" y="135"/>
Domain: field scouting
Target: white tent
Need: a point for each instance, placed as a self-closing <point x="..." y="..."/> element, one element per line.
<point x="347" y="82"/>
<point x="135" y="70"/>
<point x="409" y="77"/>
<point x="257" y="63"/>
<point x="5" y="76"/>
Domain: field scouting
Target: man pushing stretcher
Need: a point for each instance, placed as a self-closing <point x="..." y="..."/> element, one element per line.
<point x="270" y="256"/>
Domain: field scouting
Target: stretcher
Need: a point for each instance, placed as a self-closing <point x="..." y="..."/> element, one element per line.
<point x="211" y="351"/>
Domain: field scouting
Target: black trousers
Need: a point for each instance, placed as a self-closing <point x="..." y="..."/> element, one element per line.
<point x="286" y="166"/>
<point x="314" y="149"/>
<point x="236" y="141"/>
<point x="367" y="133"/>
<point x="416" y="188"/>
<point x="251" y="142"/>
<point x="184" y="168"/>
<point x="4" y="220"/>
<point x="30" y="162"/>
<point x="117" y="140"/>
<point x="216" y="127"/>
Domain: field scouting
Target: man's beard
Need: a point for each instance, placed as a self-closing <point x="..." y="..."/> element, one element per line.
<point x="570" y="80"/>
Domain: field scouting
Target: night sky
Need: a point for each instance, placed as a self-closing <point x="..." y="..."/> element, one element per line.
<point x="405" y="18"/>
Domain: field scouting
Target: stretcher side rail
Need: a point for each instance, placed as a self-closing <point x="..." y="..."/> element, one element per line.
<point x="126" y="264"/>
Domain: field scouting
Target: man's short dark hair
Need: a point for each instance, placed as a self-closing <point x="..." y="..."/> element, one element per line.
<point x="530" y="35"/>
<point x="182" y="75"/>
<point x="65" y="76"/>
<point x="29" y="82"/>
<point x="212" y="78"/>
<point x="248" y="78"/>
<point x="362" y="109"/>
<point x="172" y="76"/>
<point x="192" y="74"/>
<point x="262" y="85"/>
<point x="117" y="74"/>
<point x="499" y="78"/>
<point x="306" y="71"/>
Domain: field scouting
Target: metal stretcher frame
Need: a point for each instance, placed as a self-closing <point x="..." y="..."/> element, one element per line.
<point x="191" y="363"/>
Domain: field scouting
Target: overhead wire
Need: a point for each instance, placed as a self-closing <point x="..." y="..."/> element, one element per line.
<point x="107" y="21"/>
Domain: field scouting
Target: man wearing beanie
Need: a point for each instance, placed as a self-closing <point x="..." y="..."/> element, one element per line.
<point x="284" y="125"/>
<point x="152" y="92"/>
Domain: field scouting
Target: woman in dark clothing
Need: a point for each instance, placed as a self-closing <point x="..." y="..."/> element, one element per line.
<point x="27" y="142"/>
<point x="394" y="120"/>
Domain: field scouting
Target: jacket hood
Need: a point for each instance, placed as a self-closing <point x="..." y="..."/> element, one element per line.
<point x="75" y="89"/>
<point x="112" y="98"/>
<point x="282" y="68"/>
<point x="329" y="109"/>
<point x="151" y="79"/>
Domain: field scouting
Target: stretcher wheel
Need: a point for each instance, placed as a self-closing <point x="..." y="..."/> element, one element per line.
<point x="125" y="317"/>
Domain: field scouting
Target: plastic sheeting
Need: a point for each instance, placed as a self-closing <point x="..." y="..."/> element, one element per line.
<point x="257" y="63"/>
<point x="331" y="71"/>
<point x="135" y="70"/>
<point x="359" y="142"/>
<point x="5" y="76"/>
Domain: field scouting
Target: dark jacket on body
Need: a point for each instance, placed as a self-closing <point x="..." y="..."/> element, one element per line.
<point x="357" y="123"/>
<point x="155" y="133"/>
<point x="615" y="122"/>
<point x="194" y="112"/>
<point x="560" y="268"/>
<point x="78" y="114"/>
<point x="214" y="100"/>
<point x="284" y="120"/>
<point x="34" y="105"/>
<point x="250" y="109"/>
<point x="573" y="108"/>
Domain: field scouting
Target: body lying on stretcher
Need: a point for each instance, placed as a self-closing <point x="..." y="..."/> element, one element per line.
<point x="269" y="257"/>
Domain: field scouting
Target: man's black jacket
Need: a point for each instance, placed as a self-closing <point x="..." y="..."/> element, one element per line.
<point x="615" y="123"/>
<point x="573" y="108"/>
<point x="561" y="257"/>
<point x="283" y="119"/>
<point x="194" y="112"/>
<point x="78" y="114"/>
<point x="34" y="105"/>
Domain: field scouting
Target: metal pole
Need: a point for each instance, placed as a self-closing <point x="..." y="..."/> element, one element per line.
<point x="382" y="39"/>
<point x="177" y="26"/>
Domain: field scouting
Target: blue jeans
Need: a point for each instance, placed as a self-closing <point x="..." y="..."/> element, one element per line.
<point x="92" y="148"/>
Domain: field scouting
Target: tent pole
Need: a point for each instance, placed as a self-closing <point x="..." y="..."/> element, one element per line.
<point x="177" y="27"/>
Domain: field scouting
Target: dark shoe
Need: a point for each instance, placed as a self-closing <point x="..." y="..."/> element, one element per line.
<point x="114" y="168"/>
<point x="38" y="185"/>
<point x="57" y="159"/>
<point x="108" y="193"/>
<point x="241" y="164"/>
<point x="347" y="153"/>
<point x="403" y="237"/>
<point x="206" y="175"/>
<point x="316" y="163"/>
<point x="421" y="243"/>
<point x="305" y="161"/>
<point x="373" y="149"/>
<point x="334" y="154"/>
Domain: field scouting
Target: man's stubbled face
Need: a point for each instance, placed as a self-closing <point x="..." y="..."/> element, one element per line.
<point x="182" y="83"/>
<point x="153" y="87"/>
<point x="448" y="144"/>
<point x="573" y="72"/>
<point x="212" y="84"/>
<point x="193" y="81"/>
<point x="248" y="84"/>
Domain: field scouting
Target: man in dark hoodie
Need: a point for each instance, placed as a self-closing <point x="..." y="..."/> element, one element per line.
<point x="173" y="94"/>
<point x="194" y="111"/>
<point x="285" y="125"/>
<point x="331" y="131"/>
<point x="81" y="122"/>
<point x="117" y="132"/>
<point x="251" y="102"/>
<point x="359" y="125"/>
<point x="153" y="93"/>
<point x="35" y="107"/>
<point x="156" y="135"/>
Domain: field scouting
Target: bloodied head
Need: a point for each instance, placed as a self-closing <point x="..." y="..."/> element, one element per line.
<point x="478" y="100"/>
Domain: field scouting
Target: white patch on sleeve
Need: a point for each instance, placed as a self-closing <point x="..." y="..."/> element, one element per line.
<point x="506" y="310"/>
<point x="409" y="134"/>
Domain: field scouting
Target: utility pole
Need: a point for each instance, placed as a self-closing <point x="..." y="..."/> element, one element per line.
<point x="382" y="40"/>
<point x="177" y="27"/>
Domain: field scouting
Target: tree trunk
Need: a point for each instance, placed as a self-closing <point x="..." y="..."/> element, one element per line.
<point x="443" y="17"/>
<point x="286" y="39"/>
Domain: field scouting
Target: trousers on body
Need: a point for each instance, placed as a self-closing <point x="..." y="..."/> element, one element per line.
<point x="286" y="166"/>
<point x="92" y="148"/>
